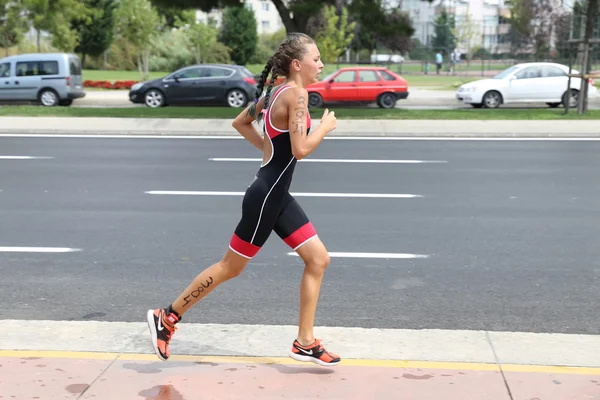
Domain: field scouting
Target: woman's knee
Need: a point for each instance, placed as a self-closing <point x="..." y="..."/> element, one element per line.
<point x="315" y="255"/>
<point x="233" y="264"/>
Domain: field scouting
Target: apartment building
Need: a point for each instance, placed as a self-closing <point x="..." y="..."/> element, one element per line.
<point x="267" y="17"/>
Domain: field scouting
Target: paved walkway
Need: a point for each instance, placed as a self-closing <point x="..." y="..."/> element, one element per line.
<point x="114" y="360"/>
<point x="69" y="375"/>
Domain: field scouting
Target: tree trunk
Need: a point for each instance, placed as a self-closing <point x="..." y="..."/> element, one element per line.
<point x="146" y="61"/>
<point x="289" y="22"/>
<point x="39" y="46"/>
<point x="140" y="68"/>
<point x="591" y="17"/>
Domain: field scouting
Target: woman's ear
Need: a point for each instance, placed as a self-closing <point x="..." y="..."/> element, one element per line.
<point x="296" y="65"/>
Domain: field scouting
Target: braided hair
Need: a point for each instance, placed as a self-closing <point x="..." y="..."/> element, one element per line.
<point x="293" y="47"/>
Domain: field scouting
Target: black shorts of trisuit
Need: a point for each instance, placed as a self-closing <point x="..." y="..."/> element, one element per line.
<point x="268" y="206"/>
<point x="265" y="210"/>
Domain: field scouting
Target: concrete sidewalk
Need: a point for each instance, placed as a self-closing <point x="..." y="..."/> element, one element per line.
<point x="103" y="376"/>
<point x="114" y="360"/>
<point x="409" y="128"/>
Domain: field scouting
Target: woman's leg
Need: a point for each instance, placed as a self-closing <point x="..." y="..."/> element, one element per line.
<point x="230" y="266"/>
<point x="161" y="321"/>
<point x="316" y="260"/>
<point x="294" y="227"/>
<point x="306" y="347"/>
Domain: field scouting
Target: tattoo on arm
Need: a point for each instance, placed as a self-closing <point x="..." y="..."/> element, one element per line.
<point x="299" y="114"/>
<point x="251" y="110"/>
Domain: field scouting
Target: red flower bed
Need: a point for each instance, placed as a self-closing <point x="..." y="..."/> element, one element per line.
<point x="109" y="84"/>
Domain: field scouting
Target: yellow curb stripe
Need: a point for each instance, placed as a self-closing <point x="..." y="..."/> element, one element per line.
<point x="548" y="369"/>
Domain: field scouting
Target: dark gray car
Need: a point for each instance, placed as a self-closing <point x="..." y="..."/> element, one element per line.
<point x="219" y="84"/>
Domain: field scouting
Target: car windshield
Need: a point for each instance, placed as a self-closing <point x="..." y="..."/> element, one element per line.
<point x="506" y="72"/>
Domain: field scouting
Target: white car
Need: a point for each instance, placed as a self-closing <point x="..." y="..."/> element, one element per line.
<point x="525" y="83"/>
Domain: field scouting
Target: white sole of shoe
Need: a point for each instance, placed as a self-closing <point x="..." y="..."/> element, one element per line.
<point x="152" y="328"/>
<point x="299" y="357"/>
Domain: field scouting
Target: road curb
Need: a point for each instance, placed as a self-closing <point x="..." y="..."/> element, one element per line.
<point x="371" y="128"/>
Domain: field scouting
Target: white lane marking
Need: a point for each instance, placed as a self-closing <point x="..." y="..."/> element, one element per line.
<point x="298" y="194"/>
<point x="369" y="255"/>
<point x="37" y="250"/>
<point x="407" y="138"/>
<point x="333" y="160"/>
<point x="24" y="158"/>
<point x="274" y="341"/>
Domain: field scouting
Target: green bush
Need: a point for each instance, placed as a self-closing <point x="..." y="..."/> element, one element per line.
<point x="170" y="52"/>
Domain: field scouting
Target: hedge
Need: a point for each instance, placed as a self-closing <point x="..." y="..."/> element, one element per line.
<point x="109" y="84"/>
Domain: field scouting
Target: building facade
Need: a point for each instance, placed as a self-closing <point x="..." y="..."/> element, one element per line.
<point x="267" y="17"/>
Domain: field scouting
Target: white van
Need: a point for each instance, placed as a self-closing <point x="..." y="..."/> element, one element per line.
<point x="50" y="78"/>
<point x="387" y="58"/>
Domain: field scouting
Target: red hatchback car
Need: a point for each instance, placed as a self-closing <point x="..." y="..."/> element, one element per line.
<point x="359" y="85"/>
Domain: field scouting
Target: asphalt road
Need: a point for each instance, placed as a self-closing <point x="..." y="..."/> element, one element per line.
<point x="511" y="231"/>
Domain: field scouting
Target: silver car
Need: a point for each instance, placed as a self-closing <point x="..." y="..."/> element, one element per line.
<point x="50" y="78"/>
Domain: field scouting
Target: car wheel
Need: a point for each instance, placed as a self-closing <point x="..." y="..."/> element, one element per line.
<point x="574" y="98"/>
<point x="154" y="98"/>
<point x="236" y="98"/>
<point x="48" y="98"/>
<point x="387" y="100"/>
<point x="492" y="99"/>
<point x="315" y="100"/>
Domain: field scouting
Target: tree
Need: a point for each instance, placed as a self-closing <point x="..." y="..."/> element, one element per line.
<point x="395" y="31"/>
<point x="96" y="34"/>
<point x="443" y="37"/>
<point x="337" y="35"/>
<point x="562" y="31"/>
<point x="239" y="32"/>
<point x="202" y="37"/>
<point x="175" y="16"/>
<point x="55" y="16"/>
<point x="378" y="23"/>
<point x="532" y="24"/>
<point x="591" y="24"/>
<point x="295" y="14"/>
<point x="138" y="22"/>
<point x="11" y="24"/>
<point x="466" y="34"/>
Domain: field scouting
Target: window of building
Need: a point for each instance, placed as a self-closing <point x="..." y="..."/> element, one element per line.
<point x="265" y="6"/>
<point x="266" y="25"/>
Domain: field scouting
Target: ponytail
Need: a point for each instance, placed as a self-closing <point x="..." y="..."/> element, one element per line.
<point x="268" y="94"/>
<point x="259" y="88"/>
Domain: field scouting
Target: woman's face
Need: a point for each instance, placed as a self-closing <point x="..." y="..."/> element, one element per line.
<point x="310" y="66"/>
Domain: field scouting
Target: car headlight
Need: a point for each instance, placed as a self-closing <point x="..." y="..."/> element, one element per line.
<point x="470" y="89"/>
<point x="137" y="86"/>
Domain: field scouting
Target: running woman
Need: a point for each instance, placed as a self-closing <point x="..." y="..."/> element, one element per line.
<point x="267" y="205"/>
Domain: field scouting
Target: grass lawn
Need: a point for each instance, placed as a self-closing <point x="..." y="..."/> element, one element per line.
<point x="341" y="113"/>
